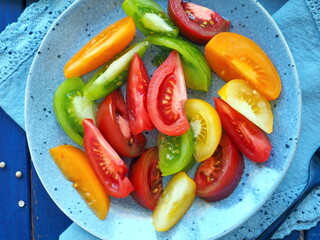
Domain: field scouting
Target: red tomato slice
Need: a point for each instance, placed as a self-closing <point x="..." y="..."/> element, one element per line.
<point x="106" y="163"/>
<point x="217" y="177"/>
<point x="248" y="138"/>
<point x="196" y="23"/>
<point x="112" y="121"/>
<point x="167" y="96"/>
<point x="145" y="175"/>
<point x="137" y="88"/>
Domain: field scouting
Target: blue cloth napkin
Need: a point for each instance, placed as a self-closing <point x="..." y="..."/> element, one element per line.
<point x="299" y="21"/>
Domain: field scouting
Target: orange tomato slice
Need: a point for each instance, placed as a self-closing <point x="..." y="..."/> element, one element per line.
<point x="76" y="168"/>
<point x="233" y="56"/>
<point x="101" y="48"/>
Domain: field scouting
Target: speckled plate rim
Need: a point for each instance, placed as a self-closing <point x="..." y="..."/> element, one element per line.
<point x="258" y="206"/>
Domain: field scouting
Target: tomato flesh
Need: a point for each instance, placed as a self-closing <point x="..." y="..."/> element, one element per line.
<point x="145" y="176"/>
<point x="196" y="23"/>
<point x="166" y="97"/>
<point x="218" y="176"/>
<point x="248" y="138"/>
<point x="113" y="122"/>
<point x="108" y="166"/>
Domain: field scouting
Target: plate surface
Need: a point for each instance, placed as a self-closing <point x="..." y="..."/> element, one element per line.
<point x="126" y="219"/>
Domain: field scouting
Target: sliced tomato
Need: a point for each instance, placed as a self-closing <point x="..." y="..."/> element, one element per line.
<point x="174" y="202"/>
<point x="233" y="56"/>
<point x="218" y="176"/>
<point x="106" y="163"/>
<point x="196" y="23"/>
<point x="76" y="168"/>
<point x="206" y="127"/>
<point x="137" y="89"/>
<point x="248" y="138"/>
<point x="145" y="176"/>
<point x="249" y="102"/>
<point x="101" y="48"/>
<point x="167" y="96"/>
<point x="113" y="123"/>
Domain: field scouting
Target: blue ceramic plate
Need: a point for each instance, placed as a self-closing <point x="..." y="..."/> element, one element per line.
<point x="126" y="219"/>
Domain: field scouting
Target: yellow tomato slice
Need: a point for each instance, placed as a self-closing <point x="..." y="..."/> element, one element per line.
<point x="206" y="126"/>
<point x="101" y="48"/>
<point x="174" y="202"/>
<point x="75" y="166"/>
<point x="233" y="56"/>
<point x="249" y="102"/>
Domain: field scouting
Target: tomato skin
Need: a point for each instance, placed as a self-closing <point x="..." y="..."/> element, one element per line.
<point x="166" y="97"/>
<point x="76" y="168"/>
<point x="112" y="121"/>
<point x="247" y="137"/>
<point x="145" y="176"/>
<point x="106" y="163"/>
<point x="137" y="89"/>
<point x="233" y="56"/>
<point x="224" y="170"/>
<point x="198" y="32"/>
<point x="101" y="48"/>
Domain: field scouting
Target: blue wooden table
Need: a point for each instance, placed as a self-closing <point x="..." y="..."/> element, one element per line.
<point x="26" y="210"/>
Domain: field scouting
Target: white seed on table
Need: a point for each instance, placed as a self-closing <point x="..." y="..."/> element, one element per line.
<point x="21" y="203"/>
<point x="18" y="174"/>
<point x="2" y="164"/>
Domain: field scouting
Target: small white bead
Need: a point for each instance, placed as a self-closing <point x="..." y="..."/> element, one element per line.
<point x="21" y="203"/>
<point x="2" y="164"/>
<point x="18" y="174"/>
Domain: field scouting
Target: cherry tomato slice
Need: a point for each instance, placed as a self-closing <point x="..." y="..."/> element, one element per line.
<point x="167" y="96"/>
<point x="137" y="89"/>
<point x="196" y="23"/>
<point x="233" y="56"/>
<point x="248" y="138"/>
<point x="112" y="121"/>
<point x="76" y="168"/>
<point x="218" y="176"/>
<point x="145" y="176"/>
<point x="106" y="163"/>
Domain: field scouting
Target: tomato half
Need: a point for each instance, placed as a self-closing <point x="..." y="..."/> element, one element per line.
<point x="137" y="89"/>
<point x="218" y="176"/>
<point x="113" y="123"/>
<point x="76" y="168"/>
<point x="174" y="202"/>
<point x="196" y="23"/>
<point x="233" y="56"/>
<point x="166" y="97"/>
<point x="206" y="127"/>
<point x="106" y="163"/>
<point x="247" y="137"/>
<point x="101" y="48"/>
<point x="249" y="102"/>
<point x="145" y="176"/>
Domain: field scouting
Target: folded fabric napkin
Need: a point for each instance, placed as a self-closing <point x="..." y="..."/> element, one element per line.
<point x="299" y="21"/>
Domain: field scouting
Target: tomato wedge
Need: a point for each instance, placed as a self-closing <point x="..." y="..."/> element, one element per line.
<point x="233" y="56"/>
<point x="106" y="163"/>
<point x="196" y="23"/>
<point x="206" y="127"/>
<point x="101" y="48"/>
<point x="248" y="138"/>
<point x="145" y="176"/>
<point x="137" y="89"/>
<point x="166" y="97"/>
<point x="174" y="202"/>
<point x="113" y="123"/>
<point x="250" y="103"/>
<point x="218" y="176"/>
<point x="76" y="168"/>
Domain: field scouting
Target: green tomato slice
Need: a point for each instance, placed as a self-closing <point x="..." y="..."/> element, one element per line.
<point x="175" y="152"/>
<point x="195" y="66"/>
<point x="114" y="74"/>
<point x="150" y="18"/>
<point x="71" y="107"/>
